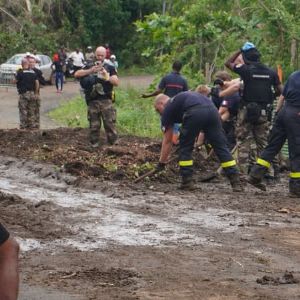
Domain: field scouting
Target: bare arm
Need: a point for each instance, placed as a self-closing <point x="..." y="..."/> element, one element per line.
<point x="278" y="89"/>
<point x="114" y="80"/>
<point x="224" y="113"/>
<point x="82" y="73"/>
<point x="279" y="103"/>
<point x="155" y="93"/>
<point x="232" y="87"/>
<point x="231" y="62"/>
<point x="166" y="146"/>
<point x="37" y="87"/>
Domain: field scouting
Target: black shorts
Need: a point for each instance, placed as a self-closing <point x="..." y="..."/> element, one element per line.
<point x="4" y="235"/>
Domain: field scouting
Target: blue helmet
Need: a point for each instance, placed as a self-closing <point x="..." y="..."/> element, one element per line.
<point x="247" y="46"/>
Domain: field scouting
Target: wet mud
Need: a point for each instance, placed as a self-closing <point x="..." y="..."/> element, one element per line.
<point x="87" y="229"/>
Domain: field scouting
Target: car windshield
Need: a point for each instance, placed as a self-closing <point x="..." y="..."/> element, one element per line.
<point x="15" y="60"/>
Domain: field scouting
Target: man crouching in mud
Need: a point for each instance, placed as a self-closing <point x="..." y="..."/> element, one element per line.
<point x="196" y="113"/>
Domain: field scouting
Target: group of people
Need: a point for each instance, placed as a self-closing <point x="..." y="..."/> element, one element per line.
<point x="233" y="114"/>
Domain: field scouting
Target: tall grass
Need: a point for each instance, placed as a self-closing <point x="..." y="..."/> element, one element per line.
<point x="135" y="116"/>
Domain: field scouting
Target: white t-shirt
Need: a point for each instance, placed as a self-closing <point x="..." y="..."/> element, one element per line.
<point x="78" y="58"/>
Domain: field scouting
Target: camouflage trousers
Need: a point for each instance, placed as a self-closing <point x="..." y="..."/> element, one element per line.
<point x="252" y="138"/>
<point x="102" y="110"/>
<point x="29" y="111"/>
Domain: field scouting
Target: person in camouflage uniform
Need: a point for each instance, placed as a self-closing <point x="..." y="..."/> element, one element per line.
<point x="260" y="83"/>
<point x="28" y="86"/>
<point x="98" y="81"/>
<point x="42" y="82"/>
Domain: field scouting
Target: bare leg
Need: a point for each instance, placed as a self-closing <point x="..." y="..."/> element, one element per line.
<point x="9" y="273"/>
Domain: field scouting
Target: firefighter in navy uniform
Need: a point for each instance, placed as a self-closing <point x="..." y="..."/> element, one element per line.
<point x="286" y="126"/>
<point x="171" y="84"/>
<point x="196" y="113"/>
<point x="228" y="111"/>
<point x="98" y="81"/>
<point x="260" y="82"/>
<point x="28" y="87"/>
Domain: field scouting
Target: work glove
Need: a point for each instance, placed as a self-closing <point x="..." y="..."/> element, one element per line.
<point x="160" y="166"/>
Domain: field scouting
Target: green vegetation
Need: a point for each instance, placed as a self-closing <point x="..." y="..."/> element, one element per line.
<point x="135" y="116"/>
<point x="201" y="33"/>
<point x="46" y="25"/>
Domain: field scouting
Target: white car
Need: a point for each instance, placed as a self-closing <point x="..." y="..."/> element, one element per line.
<point x="10" y="67"/>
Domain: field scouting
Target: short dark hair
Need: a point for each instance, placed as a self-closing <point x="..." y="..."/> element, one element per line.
<point x="177" y="65"/>
<point x="251" y="56"/>
<point x="225" y="76"/>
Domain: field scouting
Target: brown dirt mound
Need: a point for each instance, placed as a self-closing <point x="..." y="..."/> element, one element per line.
<point x="69" y="148"/>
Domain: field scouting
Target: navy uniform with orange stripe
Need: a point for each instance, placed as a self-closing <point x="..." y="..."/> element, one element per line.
<point x="286" y="127"/>
<point x="197" y="113"/>
<point x="173" y="83"/>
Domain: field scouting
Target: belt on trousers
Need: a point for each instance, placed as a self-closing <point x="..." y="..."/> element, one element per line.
<point x="263" y="105"/>
<point x="194" y="107"/>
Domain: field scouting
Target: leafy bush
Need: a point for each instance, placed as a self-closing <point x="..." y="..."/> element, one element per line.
<point x="135" y="116"/>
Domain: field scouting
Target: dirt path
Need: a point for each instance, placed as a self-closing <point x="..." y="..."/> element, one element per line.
<point x="95" y="235"/>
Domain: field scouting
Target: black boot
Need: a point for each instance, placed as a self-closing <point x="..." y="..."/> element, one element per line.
<point x="256" y="175"/>
<point x="235" y="182"/>
<point x="188" y="183"/>
<point x="294" y="188"/>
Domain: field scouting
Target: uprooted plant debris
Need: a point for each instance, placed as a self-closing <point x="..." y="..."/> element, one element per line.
<point x="69" y="149"/>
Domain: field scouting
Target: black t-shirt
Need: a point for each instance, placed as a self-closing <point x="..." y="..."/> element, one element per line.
<point x="93" y="79"/>
<point x="58" y="66"/>
<point x="172" y="84"/>
<point x="179" y="104"/>
<point x="291" y="91"/>
<point x="40" y="76"/>
<point x="258" y="82"/>
<point x="26" y="80"/>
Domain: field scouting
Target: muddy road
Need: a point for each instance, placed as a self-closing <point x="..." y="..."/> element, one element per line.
<point x="88" y="232"/>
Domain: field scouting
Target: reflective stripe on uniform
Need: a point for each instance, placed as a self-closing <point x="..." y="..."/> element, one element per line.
<point x="185" y="163"/>
<point x="263" y="163"/>
<point x="295" y="174"/>
<point x="228" y="164"/>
